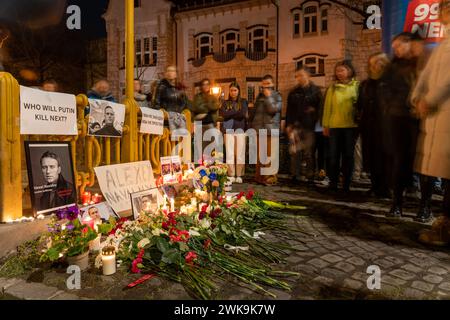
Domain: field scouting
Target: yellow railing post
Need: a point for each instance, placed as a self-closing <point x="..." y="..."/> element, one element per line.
<point x="10" y="149"/>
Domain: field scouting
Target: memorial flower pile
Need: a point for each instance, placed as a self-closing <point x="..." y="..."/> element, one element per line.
<point x="200" y="248"/>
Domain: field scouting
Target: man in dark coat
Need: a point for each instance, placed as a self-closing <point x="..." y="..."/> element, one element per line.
<point x="108" y="129"/>
<point x="58" y="191"/>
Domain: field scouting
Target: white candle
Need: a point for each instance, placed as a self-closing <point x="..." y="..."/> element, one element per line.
<point x="165" y="203"/>
<point x="194" y="202"/>
<point x="94" y="245"/>
<point x="172" y="205"/>
<point x="109" y="261"/>
<point x="183" y="210"/>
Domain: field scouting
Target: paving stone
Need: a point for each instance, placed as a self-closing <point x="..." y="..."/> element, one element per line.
<point x="356" y="250"/>
<point x="384" y="264"/>
<point x="301" y="247"/>
<point x="445" y="286"/>
<point x="31" y="291"/>
<point x="391" y="280"/>
<point x="303" y="268"/>
<point x="344" y="243"/>
<point x="313" y="244"/>
<point x="320" y="250"/>
<point x="323" y="280"/>
<point x="438" y="270"/>
<point x="6" y="283"/>
<point x="394" y="260"/>
<point x="414" y="294"/>
<point x="61" y="295"/>
<point x="344" y="254"/>
<point x="432" y="278"/>
<point x="423" y="262"/>
<point x="402" y="274"/>
<point x="331" y="258"/>
<point x="368" y="256"/>
<point x="319" y="263"/>
<point x="360" y="276"/>
<point x="352" y="284"/>
<point x="420" y="285"/>
<point x="281" y="295"/>
<point x="331" y="247"/>
<point x="412" y="268"/>
<point x="294" y="259"/>
<point x="356" y="261"/>
<point x="344" y="266"/>
<point x="306" y="254"/>
<point x="440" y="255"/>
<point x="333" y="273"/>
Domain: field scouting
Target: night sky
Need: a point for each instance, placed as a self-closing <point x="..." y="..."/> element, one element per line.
<point x="22" y="11"/>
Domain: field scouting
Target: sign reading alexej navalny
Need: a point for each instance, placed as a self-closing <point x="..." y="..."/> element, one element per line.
<point x="47" y="113"/>
<point x="118" y="181"/>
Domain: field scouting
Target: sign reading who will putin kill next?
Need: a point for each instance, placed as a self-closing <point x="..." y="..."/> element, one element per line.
<point x="47" y="113"/>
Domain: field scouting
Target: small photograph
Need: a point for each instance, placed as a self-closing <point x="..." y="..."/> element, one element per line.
<point x="177" y="121"/>
<point x="147" y="200"/>
<point x="166" y="168"/>
<point x="169" y="191"/>
<point x="176" y="165"/>
<point x="50" y="175"/>
<point x="106" y="119"/>
<point x="98" y="212"/>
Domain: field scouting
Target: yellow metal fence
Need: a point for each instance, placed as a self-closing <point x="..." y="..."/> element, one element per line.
<point x="88" y="152"/>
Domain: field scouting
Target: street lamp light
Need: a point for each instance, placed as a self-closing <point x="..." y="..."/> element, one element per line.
<point x="216" y="91"/>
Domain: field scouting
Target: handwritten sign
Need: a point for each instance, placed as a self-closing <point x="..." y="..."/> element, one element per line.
<point x="152" y="121"/>
<point x="423" y="17"/>
<point x="47" y="113"/>
<point x="118" y="181"/>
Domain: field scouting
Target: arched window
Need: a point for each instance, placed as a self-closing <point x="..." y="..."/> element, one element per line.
<point x="258" y="39"/>
<point x="314" y="62"/>
<point x="203" y="45"/>
<point x="310" y="20"/>
<point x="296" y="23"/>
<point x="230" y="41"/>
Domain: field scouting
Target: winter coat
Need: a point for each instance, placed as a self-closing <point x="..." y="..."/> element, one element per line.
<point x="170" y="97"/>
<point x="433" y="148"/>
<point x="339" y="110"/>
<point x="266" y="113"/>
<point x="205" y="108"/>
<point x="234" y="117"/>
<point x="299" y="101"/>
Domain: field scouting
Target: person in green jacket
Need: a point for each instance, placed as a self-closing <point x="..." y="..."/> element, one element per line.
<point x="340" y="125"/>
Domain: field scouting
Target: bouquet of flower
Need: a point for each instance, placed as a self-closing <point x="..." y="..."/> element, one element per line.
<point x="211" y="178"/>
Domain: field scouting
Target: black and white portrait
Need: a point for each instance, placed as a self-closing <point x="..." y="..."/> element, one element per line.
<point x="106" y="119"/>
<point x="98" y="212"/>
<point x="147" y="201"/>
<point x="50" y="175"/>
<point x="177" y="121"/>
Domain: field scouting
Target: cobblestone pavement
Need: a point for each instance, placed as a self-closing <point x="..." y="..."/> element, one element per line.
<point x="335" y="241"/>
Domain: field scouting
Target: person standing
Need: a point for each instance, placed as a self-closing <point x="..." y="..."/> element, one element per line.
<point x="234" y="112"/>
<point x="339" y="124"/>
<point x="169" y="94"/>
<point x="371" y="126"/>
<point x="431" y="97"/>
<point x="401" y="128"/>
<point x="100" y="91"/>
<point x="139" y="97"/>
<point x="266" y="115"/>
<point x="302" y="114"/>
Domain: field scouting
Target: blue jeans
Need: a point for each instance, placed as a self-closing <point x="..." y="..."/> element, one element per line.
<point x="342" y="155"/>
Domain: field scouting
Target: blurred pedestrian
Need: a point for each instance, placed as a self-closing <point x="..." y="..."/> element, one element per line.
<point x="302" y="114"/>
<point x="431" y="98"/>
<point x="339" y="124"/>
<point x="50" y="85"/>
<point x="170" y="93"/>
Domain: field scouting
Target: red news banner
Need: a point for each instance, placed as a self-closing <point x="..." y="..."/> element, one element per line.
<point x="423" y="17"/>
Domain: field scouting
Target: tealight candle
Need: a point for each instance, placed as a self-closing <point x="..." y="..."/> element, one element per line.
<point x="172" y="205"/>
<point x="194" y="201"/>
<point x="86" y="197"/>
<point x="95" y="245"/>
<point x="109" y="260"/>
<point x="96" y="198"/>
<point x="164" y="203"/>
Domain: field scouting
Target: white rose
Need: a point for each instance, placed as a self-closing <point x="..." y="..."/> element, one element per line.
<point x="141" y="244"/>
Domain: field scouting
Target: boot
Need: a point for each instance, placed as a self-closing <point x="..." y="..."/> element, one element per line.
<point x="396" y="211"/>
<point x="425" y="214"/>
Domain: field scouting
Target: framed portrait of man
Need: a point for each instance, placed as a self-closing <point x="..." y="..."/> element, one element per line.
<point x="50" y="175"/>
<point x="98" y="212"/>
<point x="106" y="119"/>
<point x="147" y="200"/>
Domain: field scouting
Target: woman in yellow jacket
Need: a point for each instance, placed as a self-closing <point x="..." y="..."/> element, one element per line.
<point x="339" y="123"/>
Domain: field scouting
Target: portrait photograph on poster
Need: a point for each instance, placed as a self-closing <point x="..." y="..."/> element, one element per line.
<point x="106" y="119"/>
<point x="50" y="175"/>
<point x="176" y="166"/>
<point x="147" y="200"/>
<point x="98" y="212"/>
<point x="166" y="169"/>
<point x="177" y="121"/>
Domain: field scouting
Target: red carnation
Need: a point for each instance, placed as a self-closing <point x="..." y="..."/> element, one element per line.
<point x="190" y="257"/>
<point x="240" y="195"/>
<point x="250" y="195"/>
<point x="206" y="244"/>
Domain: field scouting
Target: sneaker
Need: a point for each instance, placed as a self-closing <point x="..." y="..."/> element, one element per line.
<point x="239" y="180"/>
<point x="396" y="212"/>
<point x="325" y="182"/>
<point x="232" y="179"/>
<point x="425" y="215"/>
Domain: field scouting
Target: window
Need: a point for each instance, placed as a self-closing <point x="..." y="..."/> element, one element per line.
<point x="204" y="45"/>
<point x="230" y="41"/>
<point x="150" y="51"/>
<point x="324" y="18"/>
<point x="296" y="24"/>
<point x="310" y="20"/>
<point x="137" y="3"/>
<point x="315" y="63"/>
<point x="154" y="51"/>
<point x="258" y="40"/>
<point x="251" y="94"/>
<point x="139" y="53"/>
<point x="146" y="51"/>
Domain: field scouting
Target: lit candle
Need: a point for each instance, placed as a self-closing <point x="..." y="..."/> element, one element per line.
<point x="86" y="197"/>
<point x="95" y="245"/>
<point x="194" y="201"/>
<point x="109" y="260"/>
<point x="172" y="205"/>
<point x="165" y="203"/>
<point x="89" y="222"/>
<point x="183" y="210"/>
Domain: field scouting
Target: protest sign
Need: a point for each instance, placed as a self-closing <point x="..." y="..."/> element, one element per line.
<point x="152" y="121"/>
<point x="47" y="113"/>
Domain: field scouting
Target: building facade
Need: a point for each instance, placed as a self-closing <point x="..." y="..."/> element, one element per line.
<point x="240" y="41"/>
